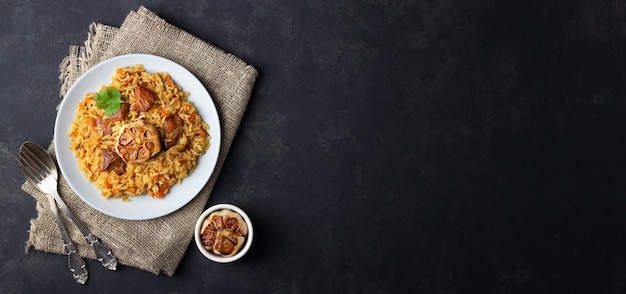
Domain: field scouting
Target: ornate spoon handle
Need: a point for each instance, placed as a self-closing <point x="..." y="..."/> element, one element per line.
<point x="103" y="253"/>
<point x="74" y="261"/>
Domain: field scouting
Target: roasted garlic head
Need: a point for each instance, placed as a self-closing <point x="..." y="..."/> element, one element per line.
<point x="137" y="142"/>
<point x="224" y="232"/>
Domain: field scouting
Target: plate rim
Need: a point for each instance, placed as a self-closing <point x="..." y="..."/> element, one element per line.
<point x="68" y="107"/>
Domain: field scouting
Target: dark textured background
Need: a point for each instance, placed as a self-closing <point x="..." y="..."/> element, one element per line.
<point x="390" y="146"/>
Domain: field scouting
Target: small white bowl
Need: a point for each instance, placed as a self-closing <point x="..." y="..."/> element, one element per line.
<point x="211" y="255"/>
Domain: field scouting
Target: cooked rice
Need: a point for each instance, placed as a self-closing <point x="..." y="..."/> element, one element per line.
<point x="156" y="175"/>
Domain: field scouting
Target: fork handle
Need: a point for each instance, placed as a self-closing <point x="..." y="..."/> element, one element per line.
<point x="103" y="253"/>
<point x="74" y="261"/>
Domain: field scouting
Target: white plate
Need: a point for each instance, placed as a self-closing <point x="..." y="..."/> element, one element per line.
<point x="139" y="207"/>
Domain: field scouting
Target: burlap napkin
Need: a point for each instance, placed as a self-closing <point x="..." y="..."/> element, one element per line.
<point x="155" y="245"/>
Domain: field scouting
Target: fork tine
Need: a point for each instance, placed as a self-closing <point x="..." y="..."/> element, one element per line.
<point x="39" y="165"/>
<point x="19" y="161"/>
<point x="29" y="169"/>
<point x="33" y="165"/>
<point x="37" y="160"/>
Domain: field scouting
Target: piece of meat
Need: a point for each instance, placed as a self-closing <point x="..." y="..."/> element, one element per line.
<point x="106" y="123"/>
<point x="121" y="113"/>
<point x="111" y="161"/>
<point x="172" y="122"/>
<point x="172" y="129"/>
<point x="144" y="99"/>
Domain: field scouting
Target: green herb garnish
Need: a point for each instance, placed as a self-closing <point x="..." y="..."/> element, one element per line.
<point x="110" y="99"/>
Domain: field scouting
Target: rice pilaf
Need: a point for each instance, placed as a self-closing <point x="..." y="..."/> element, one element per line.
<point x="96" y="140"/>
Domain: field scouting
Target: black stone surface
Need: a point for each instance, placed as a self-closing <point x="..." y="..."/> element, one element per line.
<point x="390" y="146"/>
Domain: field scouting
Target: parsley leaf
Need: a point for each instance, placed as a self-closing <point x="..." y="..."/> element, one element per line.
<point x="110" y="99"/>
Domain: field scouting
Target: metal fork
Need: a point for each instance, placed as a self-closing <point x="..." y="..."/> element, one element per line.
<point x="40" y="170"/>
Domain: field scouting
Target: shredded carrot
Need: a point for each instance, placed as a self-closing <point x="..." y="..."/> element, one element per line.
<point x="94" y="138"/>
<point x="163" y="112"/>
<point x="163" y="190"/>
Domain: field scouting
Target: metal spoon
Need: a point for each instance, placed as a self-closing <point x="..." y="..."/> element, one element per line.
<point x="41" y="171"/>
